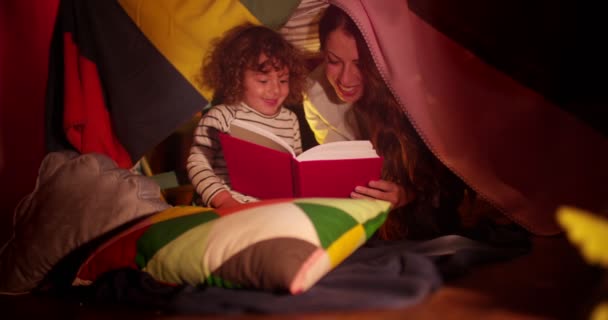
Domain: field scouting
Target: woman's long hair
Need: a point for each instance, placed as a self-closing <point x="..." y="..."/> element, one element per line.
<point x="377" y="116"/>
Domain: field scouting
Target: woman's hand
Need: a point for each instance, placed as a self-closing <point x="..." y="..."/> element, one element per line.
<point x="382" y="190"/>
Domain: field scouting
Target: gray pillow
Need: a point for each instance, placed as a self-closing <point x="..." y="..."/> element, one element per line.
<point x="77" y="198"/>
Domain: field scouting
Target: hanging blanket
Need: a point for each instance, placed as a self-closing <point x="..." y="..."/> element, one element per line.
<point x="498" y="98"/>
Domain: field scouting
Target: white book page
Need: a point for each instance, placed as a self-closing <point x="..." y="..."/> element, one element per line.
<point x="254" y="134"/>
<point x="340" y="150"/>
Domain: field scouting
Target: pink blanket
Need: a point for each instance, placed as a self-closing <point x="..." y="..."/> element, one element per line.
<point x="517" y="149"/>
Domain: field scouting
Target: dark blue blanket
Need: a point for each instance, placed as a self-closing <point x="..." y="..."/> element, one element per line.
<point x="380" y="274"/>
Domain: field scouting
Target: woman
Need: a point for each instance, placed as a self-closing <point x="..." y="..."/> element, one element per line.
<point x="349" y="100"/>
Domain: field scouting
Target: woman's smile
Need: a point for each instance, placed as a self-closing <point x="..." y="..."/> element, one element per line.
<point x="342" y="66"/>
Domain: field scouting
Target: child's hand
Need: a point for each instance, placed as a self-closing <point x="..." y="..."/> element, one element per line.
<point x="382" y="190"/>
<point x="224" y="200"/>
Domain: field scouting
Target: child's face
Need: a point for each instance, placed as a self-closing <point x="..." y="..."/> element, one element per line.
<point x="266" y="91"/>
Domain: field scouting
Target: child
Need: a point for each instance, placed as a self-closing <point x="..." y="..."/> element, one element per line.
<point x="253" y="71"/>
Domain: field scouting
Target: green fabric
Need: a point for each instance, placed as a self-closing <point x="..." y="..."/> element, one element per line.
<point x="374" y="224"/>
<point x="166" y="180"/>
<point x="271" y="13"/>
<point x="216" y="281"/>
<point x="330" y="222"/>
<point x="161" y="233"/>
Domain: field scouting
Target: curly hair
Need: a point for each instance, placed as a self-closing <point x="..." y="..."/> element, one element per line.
<point x="238" y="50"/>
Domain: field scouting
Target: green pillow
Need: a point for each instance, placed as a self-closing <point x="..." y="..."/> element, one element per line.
<point x="278" y="245"/>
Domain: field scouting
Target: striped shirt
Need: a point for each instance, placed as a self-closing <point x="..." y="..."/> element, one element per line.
<point x="206" y="165"/>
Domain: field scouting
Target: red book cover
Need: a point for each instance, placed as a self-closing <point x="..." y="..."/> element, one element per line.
<point x="256" y="170"/>
<point x="334" y="178"/>
<point x="263" y="166"/>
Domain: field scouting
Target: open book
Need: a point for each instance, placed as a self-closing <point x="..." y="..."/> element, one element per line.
<point x="262" y="165"/>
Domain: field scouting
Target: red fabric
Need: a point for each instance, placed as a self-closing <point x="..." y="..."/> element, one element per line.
<point x="87" y="123"/>
<point x="119" y="253"/>
<point x="25" y="34"/>
<point x="117" y="68"/>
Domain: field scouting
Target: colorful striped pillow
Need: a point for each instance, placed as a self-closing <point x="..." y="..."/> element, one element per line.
<point x="279" y="245"/>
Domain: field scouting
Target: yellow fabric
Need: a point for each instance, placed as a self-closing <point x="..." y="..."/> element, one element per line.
<point x="588" y="231"/>
<point x="175" y="212"/>
<point x="346" y="245"/>
<point x="600" y="312"/>
<point x="182" y="30"/>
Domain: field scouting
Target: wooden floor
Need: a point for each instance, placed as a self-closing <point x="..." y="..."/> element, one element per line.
<point x="552" y="282"/>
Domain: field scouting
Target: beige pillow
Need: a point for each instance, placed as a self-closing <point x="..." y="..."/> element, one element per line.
<point x="284" y="245"/>
<point x="77" y="198"/>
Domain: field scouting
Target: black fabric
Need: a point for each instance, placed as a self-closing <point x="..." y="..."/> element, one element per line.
<point x="380" y="274"/>
<point x="308" y="137"/>
<point x="147" y="98"/>
<point x="55" y="139"/>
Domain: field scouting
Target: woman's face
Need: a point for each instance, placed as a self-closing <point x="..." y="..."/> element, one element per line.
<point x="342" y="69"/>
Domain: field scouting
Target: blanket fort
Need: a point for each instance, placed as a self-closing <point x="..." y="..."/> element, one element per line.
<point x="520" y="124"/>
